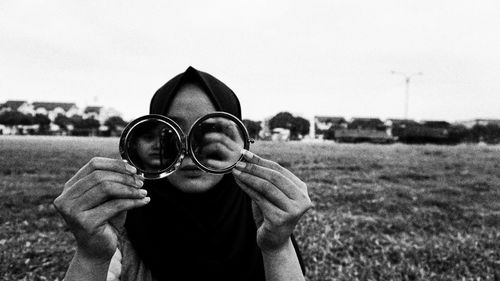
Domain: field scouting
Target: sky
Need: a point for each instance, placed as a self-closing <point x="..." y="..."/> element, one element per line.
<point x="325" y="57"/>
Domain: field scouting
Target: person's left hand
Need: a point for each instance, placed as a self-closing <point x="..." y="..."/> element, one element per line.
<point x="279" y="199"/>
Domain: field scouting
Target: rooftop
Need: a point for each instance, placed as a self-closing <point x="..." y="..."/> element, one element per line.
<point x="12" y="104"/>
<point x="90" y="109"/>
<point x="53" y="105"/>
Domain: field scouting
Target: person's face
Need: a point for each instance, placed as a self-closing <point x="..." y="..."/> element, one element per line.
<point x="148" y="149"/>
<point x="189" y="104"/>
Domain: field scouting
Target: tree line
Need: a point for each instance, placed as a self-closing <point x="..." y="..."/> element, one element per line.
<point x="76" y="124"/>
<point x="297" y="125"/>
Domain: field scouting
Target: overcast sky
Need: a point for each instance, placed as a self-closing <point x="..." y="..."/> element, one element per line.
<point x="307" y="57"/>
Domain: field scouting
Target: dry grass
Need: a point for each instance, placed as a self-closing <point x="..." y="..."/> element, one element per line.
<point x="381" y="212"/>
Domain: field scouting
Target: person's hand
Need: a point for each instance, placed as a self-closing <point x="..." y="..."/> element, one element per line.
<point x="279" y="199"/>
<point x="220" y="151"/>
<point x="219" y="147"/>
<point x="93" y="203"/>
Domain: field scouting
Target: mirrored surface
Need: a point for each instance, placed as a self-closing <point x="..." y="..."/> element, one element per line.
<point x="153" y="146"/>
<point x="216" y="143"/>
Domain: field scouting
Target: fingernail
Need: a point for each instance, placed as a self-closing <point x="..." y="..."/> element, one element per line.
<point x="241" y="165"/>
<point x="236" y="172"/>
<point x="146" y="199"/>
<point x="247" y="153"/>
<point x="130" y="168"/>
<point x="139" y="182"/>
<point x="143" y="192"/>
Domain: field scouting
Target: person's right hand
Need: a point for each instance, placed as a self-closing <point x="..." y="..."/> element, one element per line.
<point x="93" y="203"/>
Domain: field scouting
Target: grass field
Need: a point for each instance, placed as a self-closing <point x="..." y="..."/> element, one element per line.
<point x="391" y="212"/>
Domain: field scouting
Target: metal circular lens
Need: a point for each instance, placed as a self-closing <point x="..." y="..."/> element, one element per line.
<point x="216" y="141"/>
<point x="153" y="145"/>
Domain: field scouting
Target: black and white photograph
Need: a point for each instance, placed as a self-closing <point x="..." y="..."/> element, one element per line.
<point x="250" y="140"/>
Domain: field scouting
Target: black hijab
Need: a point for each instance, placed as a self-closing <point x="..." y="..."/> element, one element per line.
<point x="201" y="236"/>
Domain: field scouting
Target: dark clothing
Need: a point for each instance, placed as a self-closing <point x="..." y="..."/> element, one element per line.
<point x="221" y="95"/>
<point x="209" y="236"/>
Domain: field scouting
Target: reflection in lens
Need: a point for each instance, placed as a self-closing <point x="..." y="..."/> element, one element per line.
<point x="153" y="146"/>
<point x="217" y="142"/>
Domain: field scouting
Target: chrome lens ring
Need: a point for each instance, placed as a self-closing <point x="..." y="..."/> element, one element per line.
<point x="125" y="147"/>
<point x="242" y="129"/>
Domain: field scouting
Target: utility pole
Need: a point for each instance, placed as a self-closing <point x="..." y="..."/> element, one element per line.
<point x="407" y="88"/>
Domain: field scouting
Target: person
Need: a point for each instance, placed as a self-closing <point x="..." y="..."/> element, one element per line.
<point x="190" y="225"/>
<point x="146" y="148"/>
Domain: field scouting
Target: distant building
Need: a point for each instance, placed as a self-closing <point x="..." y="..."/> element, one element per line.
<point x="52" y="109"/>
<point x="364" y="130"/>
<point x="21" y="106"/>
<point x="424" y="132"/>
<point x="482" y="122"/>
<point x="367" y="123"/>
<point x="265" y="132"/>
<point x="100" y="113"/>
<point x="403" y="123"/>
<point x="324" y="123"/>
<point x="7" y="130"/>
<point x="437" y="124"/>
<point x="280" y="134"/>
<point x="92" y="112"/>
<point x="395" y="127"/>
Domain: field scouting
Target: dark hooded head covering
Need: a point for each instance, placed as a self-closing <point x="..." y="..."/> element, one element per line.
<point x="201" y="236"/>
<point x="221" y="96"/>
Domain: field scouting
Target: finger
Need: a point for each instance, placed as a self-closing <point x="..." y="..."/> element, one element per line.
<point x="286" y="185"/>
<point x="101" y="214"/>
<point x="232" y="131"/>
<point x="217" y="153"/>
<point x="108" y="191"/>
<point x="228" y="127"/>
<point x="222" y="138"/>
<point x="255" y="159"/>
<point x="215" y="164"/>
<point x="96" y="177"/>
<point x="268" y="190"/>
<point x="217" y="149"/>
<point x="226" y="163"/>
<point x="100" y="163"/>
<point x="265" y="206"/>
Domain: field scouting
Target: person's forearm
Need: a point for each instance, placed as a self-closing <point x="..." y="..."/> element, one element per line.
<point x="82" y="268"/>
<point x="282" y="264"/>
